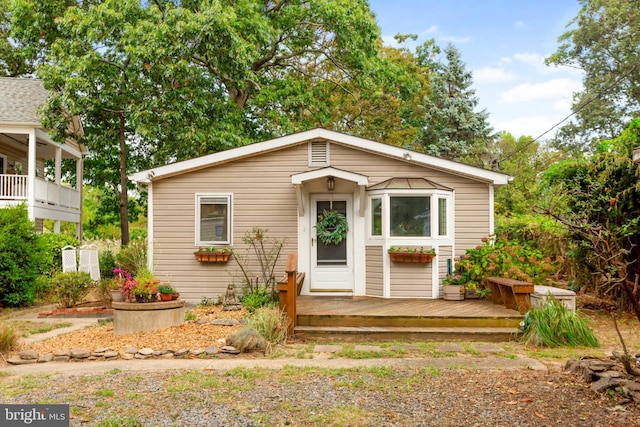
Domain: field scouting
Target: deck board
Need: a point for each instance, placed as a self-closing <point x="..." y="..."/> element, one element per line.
<point x="400" y="307"/>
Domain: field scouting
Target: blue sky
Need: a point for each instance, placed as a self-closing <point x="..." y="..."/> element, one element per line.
<point x="503" y="43"/>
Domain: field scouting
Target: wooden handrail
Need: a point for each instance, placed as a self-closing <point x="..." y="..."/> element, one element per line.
<point x="288" y="291"/>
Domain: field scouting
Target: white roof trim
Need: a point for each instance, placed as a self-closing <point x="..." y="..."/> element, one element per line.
<point x="495" y="178"/>
<point x="299" y="178"/>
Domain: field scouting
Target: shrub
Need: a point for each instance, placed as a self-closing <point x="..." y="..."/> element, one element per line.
<point x="104" y="288"/>
<point x="22" y="257"/>
<point x="259" y="297"/>
<point x="133" y="257"/>
<point x="71" y="287"/>
<point x="553" y="325"/>
<point x="8" y="339"/>
<point x="107" y="262"/>
<point x="504" y="258"/>
<point x="271" y="323"/>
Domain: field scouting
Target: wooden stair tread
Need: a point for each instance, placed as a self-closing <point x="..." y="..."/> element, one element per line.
<point x="404" y="329"/>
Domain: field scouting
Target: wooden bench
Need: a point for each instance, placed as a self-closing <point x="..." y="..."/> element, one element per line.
<point x="513" y="294"/>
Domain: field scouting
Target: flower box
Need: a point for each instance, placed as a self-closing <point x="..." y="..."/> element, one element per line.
<point x="204" y="256"/>
<point x="416" y="257"/>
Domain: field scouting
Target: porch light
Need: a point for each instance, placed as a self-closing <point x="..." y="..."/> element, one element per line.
<point x="331" y="183"/>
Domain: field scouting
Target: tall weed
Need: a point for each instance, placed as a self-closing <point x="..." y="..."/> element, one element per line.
<point x="553" y="325"/>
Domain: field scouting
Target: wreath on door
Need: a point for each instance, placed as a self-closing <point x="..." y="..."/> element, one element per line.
<point x="331" y="227"/>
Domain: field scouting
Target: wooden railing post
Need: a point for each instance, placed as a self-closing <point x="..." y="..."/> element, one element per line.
<point x="290" y="305"/>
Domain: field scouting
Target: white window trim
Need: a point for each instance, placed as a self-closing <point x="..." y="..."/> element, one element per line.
<point x="229" y="197"/>
<point x="434" y="239"/>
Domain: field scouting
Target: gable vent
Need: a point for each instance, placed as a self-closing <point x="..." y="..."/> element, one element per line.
<point x="319" y="153"/>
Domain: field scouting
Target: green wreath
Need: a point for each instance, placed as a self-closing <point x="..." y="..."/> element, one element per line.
<point x="331" y="227"/>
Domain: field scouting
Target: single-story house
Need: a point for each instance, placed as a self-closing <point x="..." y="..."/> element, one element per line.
<point x="392" y="197"/>
<point x="25" y="146"/>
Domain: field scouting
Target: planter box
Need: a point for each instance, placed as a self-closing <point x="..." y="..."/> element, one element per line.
<point x="453" y="292"/>
<point x="411" y="257"/>
<point x="212" y="256"/>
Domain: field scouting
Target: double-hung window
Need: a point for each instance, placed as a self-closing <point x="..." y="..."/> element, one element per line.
<point x="213" y="219"/>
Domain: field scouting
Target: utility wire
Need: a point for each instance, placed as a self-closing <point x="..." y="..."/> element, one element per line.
<point x="576" y="111"/>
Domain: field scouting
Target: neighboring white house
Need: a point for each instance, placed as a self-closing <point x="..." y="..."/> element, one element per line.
<point x="25" y="146"/>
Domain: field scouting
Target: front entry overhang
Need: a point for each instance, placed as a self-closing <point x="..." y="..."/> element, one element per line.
<point x="299" y="179"/>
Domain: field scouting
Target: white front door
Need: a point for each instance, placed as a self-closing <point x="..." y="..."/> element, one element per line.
<point x="331" y="265"/>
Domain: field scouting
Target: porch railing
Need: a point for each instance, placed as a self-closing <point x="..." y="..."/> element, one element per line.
<point x="289" y="288"/>
<point x="14" y="187"/>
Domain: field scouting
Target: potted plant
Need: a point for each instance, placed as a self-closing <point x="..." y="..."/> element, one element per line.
<point x="213" y="254"/>
<point x="331" y="227"/>
<point x="126" y="282"/>
<point x="453" y="287"/>
<point x="144" y="292"/>
<point x="166" y="292"/>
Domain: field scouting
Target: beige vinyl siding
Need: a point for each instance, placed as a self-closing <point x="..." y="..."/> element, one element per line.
<point x="262" y="196"/>
<point x="374" y="256"/>
<point x="410" y="280"/>
<point x="444" y="253"/>
<point x="471" y="222"/>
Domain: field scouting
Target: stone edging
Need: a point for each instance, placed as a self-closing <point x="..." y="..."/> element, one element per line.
<point x="77" y="354"/>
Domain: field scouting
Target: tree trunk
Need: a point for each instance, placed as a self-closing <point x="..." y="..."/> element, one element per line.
<point x="124" y="194"/>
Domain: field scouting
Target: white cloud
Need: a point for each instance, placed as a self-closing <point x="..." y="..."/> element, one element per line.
<point x="493" y="75"/>
<point x="552" y="89"/>
<point x="532" y="126"/>
<point x="432" y="29"/>
<point x="519" y="24"/>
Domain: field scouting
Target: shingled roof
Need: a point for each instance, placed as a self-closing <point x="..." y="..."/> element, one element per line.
<point x="19" y="100"/>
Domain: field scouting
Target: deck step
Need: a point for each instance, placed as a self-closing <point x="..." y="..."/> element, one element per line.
<point x="398" y="333"/>
<point x="333" y="320"/>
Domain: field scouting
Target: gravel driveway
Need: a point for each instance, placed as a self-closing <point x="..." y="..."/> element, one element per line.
<point x="375" y="395"/>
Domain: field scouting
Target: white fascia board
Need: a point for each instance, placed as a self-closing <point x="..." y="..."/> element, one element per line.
<point x="299" y="178"/>
<point x="43" y="136"/>
<point x="494" y="178"/>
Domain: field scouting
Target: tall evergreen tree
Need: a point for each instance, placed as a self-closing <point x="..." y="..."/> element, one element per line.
<point x="453" y="129"/>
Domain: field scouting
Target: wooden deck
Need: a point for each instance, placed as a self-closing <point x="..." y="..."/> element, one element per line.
<point x="366" y="318"/>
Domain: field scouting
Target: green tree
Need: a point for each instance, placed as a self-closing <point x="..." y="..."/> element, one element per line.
<point x="453" y="129"/>
<point x="525" y="160"/>
<point x="603" y="42"/>
<point x="598" y="199"/>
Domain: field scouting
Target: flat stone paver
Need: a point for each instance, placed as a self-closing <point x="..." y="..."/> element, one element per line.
<point x="488" y="348"/>
<point x="327" y="348"/>
<point x="373" y="348"/>
<point x="449" y="348"/>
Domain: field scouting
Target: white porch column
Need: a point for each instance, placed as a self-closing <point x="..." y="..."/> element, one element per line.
<point x="58" y="171"/>
<point x="79" y="180"/>
<point x="31" y="177"/>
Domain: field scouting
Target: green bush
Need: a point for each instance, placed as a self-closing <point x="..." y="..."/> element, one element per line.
<point x="553" y="325"/>
<point x="71" y="287"/>
<point x="133" y="257"/>
<point x="22" y="257"/>
<point x="260" y="297"/>
<point x="107" y="262"/>
<point x="502" y="258"/>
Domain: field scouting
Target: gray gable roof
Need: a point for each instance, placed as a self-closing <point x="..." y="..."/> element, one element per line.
<point x="19" y="100"/>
